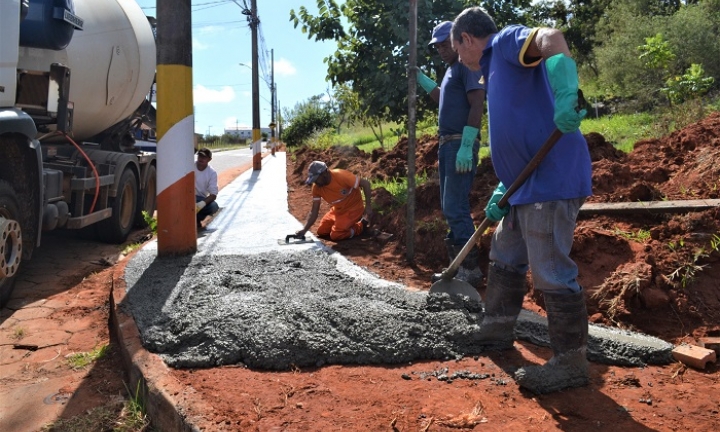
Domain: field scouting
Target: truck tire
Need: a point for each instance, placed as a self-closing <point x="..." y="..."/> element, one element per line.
<point x="149" y="198"/>
<point x="117" y="227"/>
<point x="10" y="241"/>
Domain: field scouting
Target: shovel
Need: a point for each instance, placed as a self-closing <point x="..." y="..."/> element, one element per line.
<point x="447" y="283"/>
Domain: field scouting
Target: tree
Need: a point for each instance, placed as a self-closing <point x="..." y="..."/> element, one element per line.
<point x="688" y="33"/>
<point x="372" y="49"/>
<point x="305" y="119"/>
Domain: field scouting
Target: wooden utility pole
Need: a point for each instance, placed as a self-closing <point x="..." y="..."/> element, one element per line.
<point x="412" y="108"/>
<point x="256" y="133"/>
<point x="176" y="128"/>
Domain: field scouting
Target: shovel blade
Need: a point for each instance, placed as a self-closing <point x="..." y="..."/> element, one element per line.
<point x="455" y="286"/>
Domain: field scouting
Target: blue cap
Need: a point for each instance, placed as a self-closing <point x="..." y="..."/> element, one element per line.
<point x="441" y="32"/>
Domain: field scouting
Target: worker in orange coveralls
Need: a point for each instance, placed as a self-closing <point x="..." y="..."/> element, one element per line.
<point x="340" y="188"/>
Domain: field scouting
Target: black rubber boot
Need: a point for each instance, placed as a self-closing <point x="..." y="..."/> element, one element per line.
<point x="469" y="270"/>
<point x="451" y="255"/>
<point x="568" y="330"/>
<point x="503" y="303"/>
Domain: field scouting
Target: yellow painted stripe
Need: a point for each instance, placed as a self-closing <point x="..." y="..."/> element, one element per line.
<point x="176" y="103"/>
<point x="175" y="204"/>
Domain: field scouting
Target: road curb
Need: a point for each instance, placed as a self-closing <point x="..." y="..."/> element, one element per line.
<point x="147" y="374"/>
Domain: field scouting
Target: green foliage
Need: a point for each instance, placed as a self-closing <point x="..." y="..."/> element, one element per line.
<point x="656" y="53"/>
<point x="83" y="359"/>
<point x="150" y="221"/>
<point x="309" y="121"/>
<point x="398" y="186"/>
<point x="688" y="37"/>
<point x="373" y="48"/>
<point x="687" y="262"/>
<point x="690" y="85"/>
<point x="641" y="236"/>
<point x="622" y="130"/>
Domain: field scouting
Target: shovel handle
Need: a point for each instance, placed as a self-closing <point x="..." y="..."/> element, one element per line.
<point x="451" y="271"/>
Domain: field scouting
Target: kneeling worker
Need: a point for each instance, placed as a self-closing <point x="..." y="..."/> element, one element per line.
<point x="348" y="217"/>
<point x="206" y="187"/>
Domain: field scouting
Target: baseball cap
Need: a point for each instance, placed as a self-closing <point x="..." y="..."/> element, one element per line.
<point x="205" y="152"/>
<point x="316" y="168"/>
<point x="441" y="32"/>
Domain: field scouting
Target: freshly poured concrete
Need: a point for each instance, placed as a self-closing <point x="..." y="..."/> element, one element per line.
<point x="245" y="299"/>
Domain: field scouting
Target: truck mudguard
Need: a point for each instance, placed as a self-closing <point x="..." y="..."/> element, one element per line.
<point x="17" y="121"/>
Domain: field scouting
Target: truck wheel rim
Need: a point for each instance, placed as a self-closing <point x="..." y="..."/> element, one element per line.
<point x="10" y="247"/>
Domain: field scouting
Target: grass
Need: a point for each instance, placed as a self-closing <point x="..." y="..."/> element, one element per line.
<point x="623" y="131"/>
<point x="640" y="236"/>
<point x="129" y="416"/>
<point x="83" y="359"/>
<point x="19" y="333"/>
<point x="398" y="186"/>
<point x="151" y="221"/>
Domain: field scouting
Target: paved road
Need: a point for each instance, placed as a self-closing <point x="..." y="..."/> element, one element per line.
<point x="224" y="160"/>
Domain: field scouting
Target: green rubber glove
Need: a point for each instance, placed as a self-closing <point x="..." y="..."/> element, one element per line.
<point x="425" y="82"/>
<point x="464" y="158"/>
<point x="492" y="211"/>
<point x="563" y="77"/>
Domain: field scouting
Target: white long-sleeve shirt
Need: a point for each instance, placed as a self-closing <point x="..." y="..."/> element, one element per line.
<point x="206" y="182"/>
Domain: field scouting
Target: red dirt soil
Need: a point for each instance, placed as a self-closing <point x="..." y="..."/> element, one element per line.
<point x="627" y="276"/>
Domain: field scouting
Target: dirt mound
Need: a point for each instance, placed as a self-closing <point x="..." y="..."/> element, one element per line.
<point x="652" y="272"/>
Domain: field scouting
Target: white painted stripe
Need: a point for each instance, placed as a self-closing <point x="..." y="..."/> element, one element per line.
<point x="175" y="153"/>
<point x="257" y="147"/>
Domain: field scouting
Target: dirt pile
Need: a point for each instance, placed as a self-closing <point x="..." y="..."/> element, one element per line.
<point x="655" y="273"/>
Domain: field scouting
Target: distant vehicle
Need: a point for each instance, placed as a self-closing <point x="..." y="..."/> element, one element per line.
<point x="72" y="88"/>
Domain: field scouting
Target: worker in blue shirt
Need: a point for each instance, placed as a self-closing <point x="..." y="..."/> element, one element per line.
<point x="461" y="98"/>
<point x="532" y="85"/>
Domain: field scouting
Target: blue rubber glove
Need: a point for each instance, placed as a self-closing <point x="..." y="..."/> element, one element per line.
<point x="425" y="82"/>
<point x="492" y="211"/>
<point x="563" y="77"/>
<point x="464" y="159"/>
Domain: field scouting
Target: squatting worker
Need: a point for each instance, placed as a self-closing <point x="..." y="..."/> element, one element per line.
<point x="532" y="84"/>
<point x="206" y="186"/>
<point x="461" y="98"/>
<point x="348" y="217"/>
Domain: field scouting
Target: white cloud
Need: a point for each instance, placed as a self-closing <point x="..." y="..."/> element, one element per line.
<point x="197" y="45"/>
<point x="202" y="94"/>
<point x="284" y="67"/>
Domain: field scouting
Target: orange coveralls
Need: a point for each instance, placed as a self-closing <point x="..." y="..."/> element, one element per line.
<point x="343" y="194"/>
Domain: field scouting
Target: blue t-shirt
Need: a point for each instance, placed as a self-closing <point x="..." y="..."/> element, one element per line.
<point x="454" y="106"/>
<point x="520" y="115"/>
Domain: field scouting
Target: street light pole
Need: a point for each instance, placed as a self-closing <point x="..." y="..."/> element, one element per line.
<point x="272" y="101"/>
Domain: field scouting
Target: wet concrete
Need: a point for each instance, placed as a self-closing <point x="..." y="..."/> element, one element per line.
<point x="244" y="299"/>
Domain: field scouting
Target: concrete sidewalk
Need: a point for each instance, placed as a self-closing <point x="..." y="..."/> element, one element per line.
<point x="253" y="217"/>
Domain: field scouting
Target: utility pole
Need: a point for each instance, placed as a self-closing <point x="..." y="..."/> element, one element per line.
<point x="256" y="133"/>
<point x="176" y="127"/>
<point x="272" y="101"/>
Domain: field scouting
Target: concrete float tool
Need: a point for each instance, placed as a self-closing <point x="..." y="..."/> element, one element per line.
<point x="292" y="239"/>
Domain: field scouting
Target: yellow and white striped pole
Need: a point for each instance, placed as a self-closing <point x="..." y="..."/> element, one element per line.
<point x="177" y="232"/>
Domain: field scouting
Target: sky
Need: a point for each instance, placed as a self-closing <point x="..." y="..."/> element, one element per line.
<point x="222" y="39"/>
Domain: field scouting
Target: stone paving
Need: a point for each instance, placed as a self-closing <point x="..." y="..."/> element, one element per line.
<point x="45" y="323"/>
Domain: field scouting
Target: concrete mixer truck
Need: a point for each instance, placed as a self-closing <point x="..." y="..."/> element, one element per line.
<point x="75" y="76"/>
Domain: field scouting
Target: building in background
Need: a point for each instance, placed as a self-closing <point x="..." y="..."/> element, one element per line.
<point x="246" y="132"/>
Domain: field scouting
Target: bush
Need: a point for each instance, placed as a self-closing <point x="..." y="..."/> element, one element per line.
<point x="304" y="125"/>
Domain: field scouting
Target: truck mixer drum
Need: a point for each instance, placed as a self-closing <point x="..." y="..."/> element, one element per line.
<point x="10" y="247"/>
